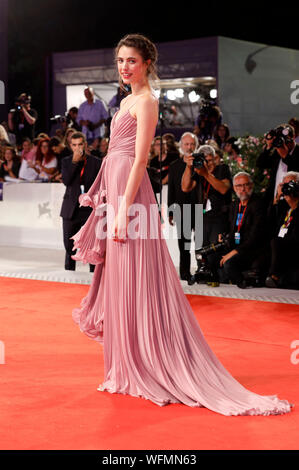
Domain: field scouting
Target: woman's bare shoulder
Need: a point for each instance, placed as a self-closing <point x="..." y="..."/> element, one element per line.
<point x="148" y="100"/>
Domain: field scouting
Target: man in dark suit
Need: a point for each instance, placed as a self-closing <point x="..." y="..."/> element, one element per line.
<point x="248" y="246"/>
<point x="280" y="156"/>
<point x="177" y="198"/>
<point x="78" y="174"/>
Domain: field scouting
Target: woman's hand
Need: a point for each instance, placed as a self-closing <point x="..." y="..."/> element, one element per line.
<point x="8" y="166"/>
<point x="120" y="226"/>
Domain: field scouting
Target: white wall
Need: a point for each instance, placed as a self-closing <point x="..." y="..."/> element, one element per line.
<point x="258" y="101"/>
<point x="29" y="215"/>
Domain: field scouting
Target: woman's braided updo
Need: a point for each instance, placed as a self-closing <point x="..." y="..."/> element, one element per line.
<point x="145" y="47"/>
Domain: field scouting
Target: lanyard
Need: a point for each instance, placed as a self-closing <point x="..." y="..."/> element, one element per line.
<point x="241" y="221"/>
<point x="83" y="169"/>
<point x="288" y="218"/>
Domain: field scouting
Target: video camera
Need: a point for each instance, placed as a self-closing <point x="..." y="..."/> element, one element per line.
<point x="290" y="189"/>
<point x="281" y="135"/>
<point x="58" y="119"/>
<point x="208" y="110"/>
<point x="204" y="273"/>
<point x="22" y="100"/>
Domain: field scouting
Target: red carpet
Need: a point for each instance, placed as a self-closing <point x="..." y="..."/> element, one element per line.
<point x="48" y="396"/>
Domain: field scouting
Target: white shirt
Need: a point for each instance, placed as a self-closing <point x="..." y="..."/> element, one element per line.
<point x="92" y="112"/>
<point x="52" y="164"/>
<point x="27" y="173"/>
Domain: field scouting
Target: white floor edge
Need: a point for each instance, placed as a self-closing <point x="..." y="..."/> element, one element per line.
<point x="47" y="265"/>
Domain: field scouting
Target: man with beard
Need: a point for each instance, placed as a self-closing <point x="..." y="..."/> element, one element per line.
<point x="247" y="243"/>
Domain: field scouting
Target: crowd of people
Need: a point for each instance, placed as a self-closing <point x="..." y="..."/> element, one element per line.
<point x="249" y="238"/>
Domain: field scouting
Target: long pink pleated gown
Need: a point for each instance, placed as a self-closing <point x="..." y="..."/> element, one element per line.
<point x="153" y="345"/>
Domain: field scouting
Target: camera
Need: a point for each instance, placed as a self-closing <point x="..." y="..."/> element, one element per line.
<point x="213" y="247"/>
<point x="290" y="189"/>
<point x="58" y="119"/>
<point x="21" y="100"/>
<point x="204" y="273"/>
<point x="199" y="160"/>
<point x="281" y="135"/>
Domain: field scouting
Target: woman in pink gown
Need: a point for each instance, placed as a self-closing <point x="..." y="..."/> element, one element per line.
<point x="153" y="345"/>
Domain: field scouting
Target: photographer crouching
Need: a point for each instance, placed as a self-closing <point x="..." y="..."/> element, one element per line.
<point x="284" y="269"/>
<point x="246" y="259"/>
<point x="212" y="184"/>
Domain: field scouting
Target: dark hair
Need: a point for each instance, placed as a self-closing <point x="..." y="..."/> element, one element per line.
<point x="146" y="49"/>
<point x="12" y="149"/>
<point x="54" y="142"/>
<point x="227" y="133"/>
<point x="73" y="110"/>
<point x="78" y="135"/>
<point x="294" y="122"/>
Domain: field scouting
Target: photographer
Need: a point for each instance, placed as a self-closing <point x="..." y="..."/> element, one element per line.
<point x="78" y="174"/>
<point x="246" y="244"/>
<point x="177" y="198"/>
<point x="284" y="269"/>
<point x="280" y="155"/>
<point x="213" y="189"/>
<point x="91" y="115"/>
<point x="22" y="119"/>
<point x="208" y="120"/>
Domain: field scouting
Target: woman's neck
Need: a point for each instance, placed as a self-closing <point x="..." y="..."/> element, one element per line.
<point x="139" y="88"/>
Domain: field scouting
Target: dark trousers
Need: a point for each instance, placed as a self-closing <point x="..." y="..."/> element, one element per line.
<point x="70" y="228"/>
<point x="185" y="227"/>
<point x="232" y="269"/>
<point x="185" y="257"/>
<point x="285" y="263"/>
<point x="212" y="227"/>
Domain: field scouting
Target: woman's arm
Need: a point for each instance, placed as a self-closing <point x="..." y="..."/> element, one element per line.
<point x="147" y="118"/>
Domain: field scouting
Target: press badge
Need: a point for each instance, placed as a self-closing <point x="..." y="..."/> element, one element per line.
<point x="237" y="238"/>
<point x="208" y="206"/>
<point x="282" y="231"/>
<point x="82" y="188"/>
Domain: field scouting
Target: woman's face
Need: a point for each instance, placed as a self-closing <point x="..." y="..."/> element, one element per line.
<point x="26" y="146"/>
<point x="44" y="148"/>
<point x="228" y="147"/>
<point x="131" y="67"/>
<point x="8" y="155"/>
<point x="221" y="131"/>
<point x="157" y="147"/>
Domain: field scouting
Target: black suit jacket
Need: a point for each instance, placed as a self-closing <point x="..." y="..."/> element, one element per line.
<point x="252" y="233"/>
<point x="71" y="178"/>
<point x="270" y="159"/>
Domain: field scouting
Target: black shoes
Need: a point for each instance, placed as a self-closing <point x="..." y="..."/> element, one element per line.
<point x="270" y="282"/>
